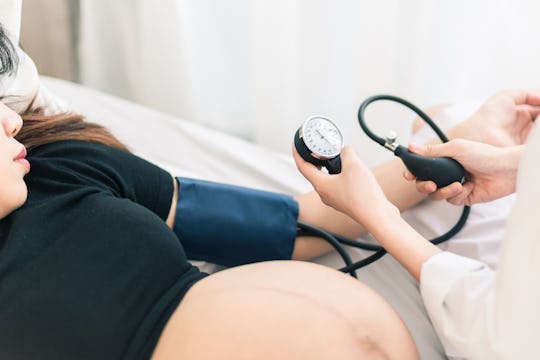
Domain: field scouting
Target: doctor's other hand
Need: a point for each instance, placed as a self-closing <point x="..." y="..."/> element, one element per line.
<point x="491" y="171"/>
<point x="354" y="192"/>
<point x="504" y="119"/>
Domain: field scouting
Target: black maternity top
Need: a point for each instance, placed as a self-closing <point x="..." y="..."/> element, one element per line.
<point x="88" y="267"/>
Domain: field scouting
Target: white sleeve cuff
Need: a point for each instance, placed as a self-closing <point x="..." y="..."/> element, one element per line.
<point x="458" y="293"/>
<point x="440" y="271"/>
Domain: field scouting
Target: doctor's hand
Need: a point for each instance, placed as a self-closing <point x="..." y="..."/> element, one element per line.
<point x="491" y="171"/>
<point x="504" y="119"/>
<point x="354" y="191"/>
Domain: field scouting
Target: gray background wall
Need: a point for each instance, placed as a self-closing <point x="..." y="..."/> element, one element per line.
<point x="48" y="36"/>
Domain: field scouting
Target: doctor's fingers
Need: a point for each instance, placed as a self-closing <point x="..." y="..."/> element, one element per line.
<point x="464" y="197"/>
<point x="424" y="187"/>
<point x="430" y="188"/>
<point x="524" y="96"/>
<point x="308" y="170"/>
<point x="530" y="111"/>
<point x="452" y="191"/>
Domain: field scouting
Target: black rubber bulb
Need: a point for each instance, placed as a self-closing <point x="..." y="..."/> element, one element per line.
<point x="441" y="170"/>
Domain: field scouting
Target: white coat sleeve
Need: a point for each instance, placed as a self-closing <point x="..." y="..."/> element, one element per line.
<point x="482" y="314"/>
<point x="458" y="294"/>
<point x="518" y="287"/>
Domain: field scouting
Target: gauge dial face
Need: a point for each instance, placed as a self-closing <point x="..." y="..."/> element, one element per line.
<point x="322" y="137"/>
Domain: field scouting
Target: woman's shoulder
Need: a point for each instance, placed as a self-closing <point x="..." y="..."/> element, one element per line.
<point x="70" y="166"/>
<point x="95" y="154"/>
<point x="76" y="162"/>
<point x="74" y="148"/>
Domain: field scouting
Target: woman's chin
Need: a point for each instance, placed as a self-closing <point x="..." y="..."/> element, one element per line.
<point x="14" y="202"/>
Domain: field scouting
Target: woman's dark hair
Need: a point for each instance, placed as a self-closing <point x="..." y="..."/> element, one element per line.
<point x="39" y="129"/>
<point x="8" y="55"/>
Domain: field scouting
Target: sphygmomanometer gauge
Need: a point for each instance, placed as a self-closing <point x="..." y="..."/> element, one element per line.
<point x="319" y="141"/>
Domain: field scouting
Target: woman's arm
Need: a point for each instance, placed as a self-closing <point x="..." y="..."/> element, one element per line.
<point x="174" y="201"/>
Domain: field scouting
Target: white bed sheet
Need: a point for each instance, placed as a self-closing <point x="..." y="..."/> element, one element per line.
<point x="187" y="149"/>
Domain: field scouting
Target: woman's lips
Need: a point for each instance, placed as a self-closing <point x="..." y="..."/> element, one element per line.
<point x="21" y="159"/>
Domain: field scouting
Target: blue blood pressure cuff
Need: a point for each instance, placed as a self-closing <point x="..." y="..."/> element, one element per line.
<point x="231" y="225"/>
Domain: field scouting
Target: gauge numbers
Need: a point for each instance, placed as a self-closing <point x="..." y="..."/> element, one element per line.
<point x="322" y="137"/>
